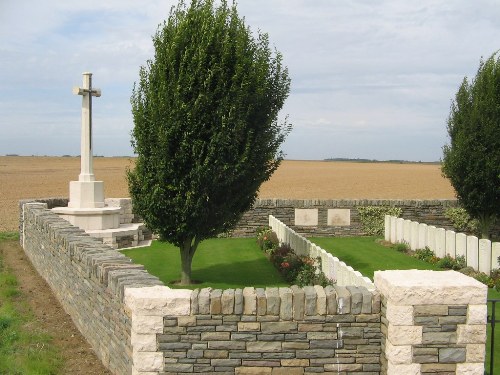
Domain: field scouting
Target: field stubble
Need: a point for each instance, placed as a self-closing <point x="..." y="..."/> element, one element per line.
<point x="41" y="177"/>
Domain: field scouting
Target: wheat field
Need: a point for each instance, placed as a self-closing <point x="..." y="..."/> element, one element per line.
<point x="23" y="177"/>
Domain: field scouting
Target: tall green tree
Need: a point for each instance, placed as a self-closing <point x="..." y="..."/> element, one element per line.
<point x="206" y="128"/>
<point x="472" y="158"/>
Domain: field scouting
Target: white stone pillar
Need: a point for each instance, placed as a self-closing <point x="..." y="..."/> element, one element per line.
<point x="422" y="235"/>
<point x="416" y="332"/>
<point x="461" y="245"/>
<point x="473" y="252"/>
<point x="450" y="243"/>
<point x="485" y="264"/>
<point x="440" y="239"/>
<point x="431" y="238"/>
<point x="414" y="235"/>
<point x="387" y="228"/>
<point x="495" y="254"/>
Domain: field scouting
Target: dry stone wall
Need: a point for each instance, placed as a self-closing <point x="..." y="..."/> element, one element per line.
<point x="88" y="278"/>
<point x="336" y="217"/>
<point x="275" y="331"/>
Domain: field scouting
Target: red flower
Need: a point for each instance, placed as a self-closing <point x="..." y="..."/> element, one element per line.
<point x="285" y="265"/>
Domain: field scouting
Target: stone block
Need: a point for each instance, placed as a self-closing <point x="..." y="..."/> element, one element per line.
<point x="415" y="287"/>
<point x="310" y="300"/>
<point x="398" y="354"/>
<point x="273" y="301"/>
<point x="343" y="299"/>
<point x="331" y="300"/>
<point x="253" y="370"/>
<point x="249" y="301"/>
<point x="286" y="306"/>
<point x="278" y="327"/>
<point x="215" y="302"/>
<point x="452" y="355"/>
<point x="204" y="301"/>
<point x="471" y="334"/>
<point x="238" y="301"/>
<point x="186" y="321"/>
<point x="261" y="301"/>
<point x="321" y="300"/>
<point x="263" y="346"/>
<point x="356" y="299"/>
<point x="298" y="302"/>
<point x="338" y="217"/>
<point x="399" y="315"/>
<point x="403" y="369"/>
<point x="248" y="326"/>
<point x="147" y="324"/>
<point x="476" y="353"/>
<point x="306" y="217"/>
<point x="470" y="369"/>
<point x="227" y="301"/>
<point x="404" y="335"/>
<point x="147" y="361"/>
<point x="158" y="301"/>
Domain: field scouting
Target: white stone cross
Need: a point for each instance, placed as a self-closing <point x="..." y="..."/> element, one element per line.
<point x="87" y="92"/>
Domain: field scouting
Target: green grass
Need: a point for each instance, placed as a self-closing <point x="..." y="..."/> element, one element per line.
<point x="365" y="255"/>
<point x="24" y="348"/>
<point x="220" y="263"/>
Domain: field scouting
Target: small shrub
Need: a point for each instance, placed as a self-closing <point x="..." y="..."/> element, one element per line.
<point x="424" y="254"/>
<point x="372" y="218"/>
<point x="450" y="263"/>
<point x="402" y="247"/>
<point x="461" y="220"/>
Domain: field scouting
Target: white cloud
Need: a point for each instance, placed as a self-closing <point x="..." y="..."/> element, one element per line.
<point x="370" y="78"/>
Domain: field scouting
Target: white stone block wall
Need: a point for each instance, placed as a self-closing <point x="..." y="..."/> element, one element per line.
<point x="338" y="271"/>
<point x="482" y="255"/>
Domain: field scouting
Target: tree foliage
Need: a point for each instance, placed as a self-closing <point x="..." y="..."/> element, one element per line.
<point x="472" y="159"/>
<point x="206" y="128"/>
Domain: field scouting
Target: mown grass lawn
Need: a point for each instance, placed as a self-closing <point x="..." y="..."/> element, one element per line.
<point x="220" y="263"/>
<point x="24" y="349"/>
<point x="367" y="256"/>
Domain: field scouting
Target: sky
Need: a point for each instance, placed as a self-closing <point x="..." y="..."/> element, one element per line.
<point x="370" y="78"/>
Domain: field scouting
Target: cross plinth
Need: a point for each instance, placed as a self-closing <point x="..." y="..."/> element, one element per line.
<point x="86" y="192"/>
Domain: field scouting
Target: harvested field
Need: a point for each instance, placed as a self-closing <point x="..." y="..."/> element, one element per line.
<point x="39" y="177"/>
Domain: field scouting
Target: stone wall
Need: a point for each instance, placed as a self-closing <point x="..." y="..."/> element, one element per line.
<point x="275" y="331"/>
<point x="430" y="322"/>
<point x="88" y="278"/>
<point x="336" y="217"/>
<point x="429" y="331"/>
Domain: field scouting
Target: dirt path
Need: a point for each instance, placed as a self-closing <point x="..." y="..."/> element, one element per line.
<point x="78" y="357"/>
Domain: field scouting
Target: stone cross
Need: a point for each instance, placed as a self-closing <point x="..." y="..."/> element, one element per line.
<point x="87" y="92"/>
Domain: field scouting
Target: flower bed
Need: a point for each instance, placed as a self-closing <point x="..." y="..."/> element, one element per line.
<point x="295" y="269"/>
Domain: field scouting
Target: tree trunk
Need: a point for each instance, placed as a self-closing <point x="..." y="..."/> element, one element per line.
<point x="187" y="252"/>
<point x="484" y="226"/>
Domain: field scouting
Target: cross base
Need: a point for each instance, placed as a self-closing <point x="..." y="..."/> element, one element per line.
<point x="86" y="194"/>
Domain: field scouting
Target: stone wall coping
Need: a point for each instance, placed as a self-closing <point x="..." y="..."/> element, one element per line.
<point x="424" y="287"/>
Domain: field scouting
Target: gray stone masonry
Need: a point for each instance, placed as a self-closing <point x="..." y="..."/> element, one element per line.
<point x="276" y="331"/>
<point x="88" y="278"/>
<point x="424" y="211"/>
